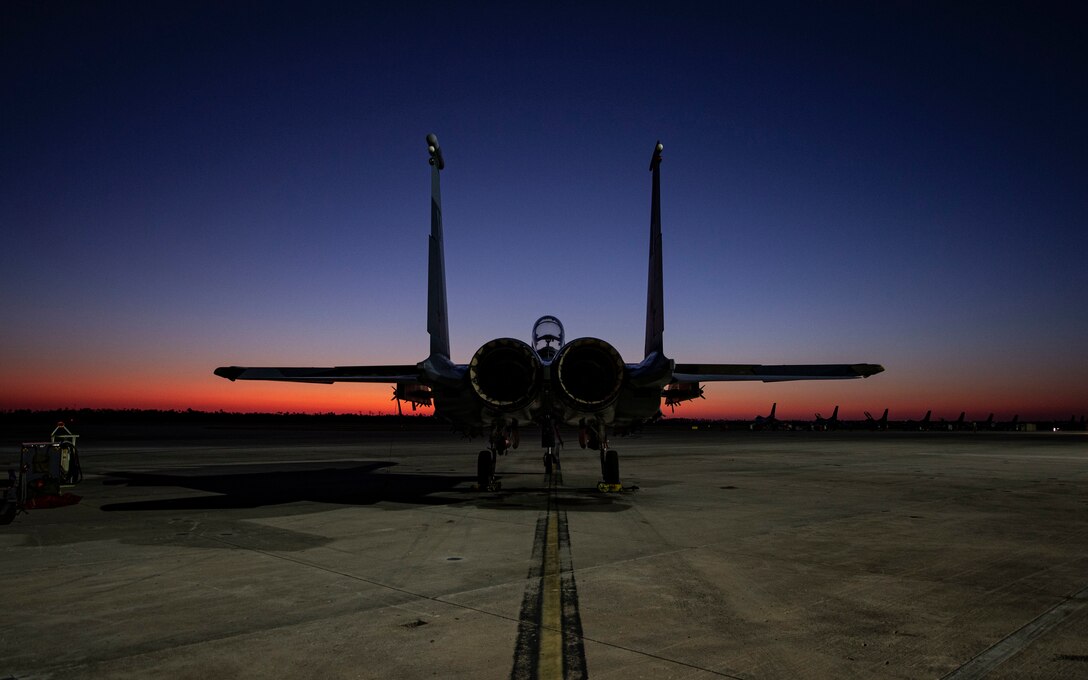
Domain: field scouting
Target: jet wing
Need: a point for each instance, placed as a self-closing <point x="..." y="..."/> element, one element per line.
<point x="361" y="374"/>
<point x="722" y="372"/>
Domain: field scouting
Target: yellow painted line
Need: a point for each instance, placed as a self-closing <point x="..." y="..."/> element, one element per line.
<point x="551" y="610"/>
<point x="550" y="659"/>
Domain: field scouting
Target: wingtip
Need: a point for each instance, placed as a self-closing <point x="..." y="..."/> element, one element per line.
<point x="229" y="372"/>
<point x="866" y="370"/>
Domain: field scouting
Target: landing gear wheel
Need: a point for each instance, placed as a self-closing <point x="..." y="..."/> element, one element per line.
<point x="610" y="470"/>
<point x="485" y="471"/>
<point x="551" y="462"/>
<point x="611" y="467"/>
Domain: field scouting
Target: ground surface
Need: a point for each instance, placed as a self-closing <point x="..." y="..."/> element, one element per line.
<point x="368" y="555"/>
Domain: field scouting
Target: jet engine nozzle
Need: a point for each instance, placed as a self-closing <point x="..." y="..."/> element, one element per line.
<point x="589" y="373"/>
<point x="505" y="374"/>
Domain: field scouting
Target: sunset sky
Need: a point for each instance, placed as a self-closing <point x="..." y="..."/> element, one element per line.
<point x="190" y="185"/>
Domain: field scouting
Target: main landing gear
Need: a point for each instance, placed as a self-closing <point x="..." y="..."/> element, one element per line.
<point x="485" y="472"/>
<point x="593" y="437"/>
<point x="610" y="471"/>
<point x="503" y="436"/>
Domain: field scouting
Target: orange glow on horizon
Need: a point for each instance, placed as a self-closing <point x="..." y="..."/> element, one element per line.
<point x="376" y="400"/>
<point x="193" y="387"/>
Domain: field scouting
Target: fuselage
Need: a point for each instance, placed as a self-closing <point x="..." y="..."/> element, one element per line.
<point x="583" y="382"/>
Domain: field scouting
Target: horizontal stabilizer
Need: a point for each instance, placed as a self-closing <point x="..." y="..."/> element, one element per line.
<point x="362" y="374"/>
<point x="723" y="372"/>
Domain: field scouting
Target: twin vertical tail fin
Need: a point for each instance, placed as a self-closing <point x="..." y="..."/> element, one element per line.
<point x="438" y="325"/>
<point x="655" y="304"/>
<point x="437" y="317"/>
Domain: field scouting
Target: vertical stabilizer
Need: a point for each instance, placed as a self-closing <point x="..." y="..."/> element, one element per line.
<point x="438" y="325"/>
<point x="655" y="306"/>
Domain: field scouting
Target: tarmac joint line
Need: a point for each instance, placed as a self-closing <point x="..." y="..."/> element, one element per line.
<point x="1013" y="643"/>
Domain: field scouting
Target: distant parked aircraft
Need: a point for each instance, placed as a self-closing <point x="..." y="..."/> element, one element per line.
<point x="877" y="424"/>
<point x="827" y="423"/>
<point x="957" y="424"/>
<point x="922" y="424"/>
<point x="767" y="422"/>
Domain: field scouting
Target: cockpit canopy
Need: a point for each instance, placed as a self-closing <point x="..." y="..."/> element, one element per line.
<point x="547" y="337"/>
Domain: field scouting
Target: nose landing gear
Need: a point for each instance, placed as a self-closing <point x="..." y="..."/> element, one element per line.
<point x="549" y="438"/>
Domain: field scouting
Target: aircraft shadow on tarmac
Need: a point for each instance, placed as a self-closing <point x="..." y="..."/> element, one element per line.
<point x="344" y="483"/>
<point x="252" y="486"/>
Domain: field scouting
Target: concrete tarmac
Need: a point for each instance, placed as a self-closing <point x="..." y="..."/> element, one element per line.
<point x="738" y="555"/>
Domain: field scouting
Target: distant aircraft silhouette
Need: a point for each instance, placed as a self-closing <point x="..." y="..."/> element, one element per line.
<point x="509" y="384"/>
<point x="950" y="425"/>
<point x="827" y="423"/>
<point x="767" y="422"/>
<point x="922" y="424"/>
<point x="877" y="424"/>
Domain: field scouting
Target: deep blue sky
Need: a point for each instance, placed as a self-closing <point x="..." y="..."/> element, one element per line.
<point x="187" y="185"/>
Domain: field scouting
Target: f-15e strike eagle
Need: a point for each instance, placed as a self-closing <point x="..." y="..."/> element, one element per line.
<point x="509" y="384"/>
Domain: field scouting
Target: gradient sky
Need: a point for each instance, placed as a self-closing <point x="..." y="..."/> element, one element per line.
<point x="189" y="185"/>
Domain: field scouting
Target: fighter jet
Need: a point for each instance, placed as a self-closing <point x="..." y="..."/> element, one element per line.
<point x="922" y="424"/>
<point x="769" y="421"/>
<point x="825" y="424"/>
<point x="509" y="384"/>
<point x="880" y="423"/>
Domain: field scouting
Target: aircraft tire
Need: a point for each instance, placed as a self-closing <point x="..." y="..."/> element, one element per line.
<point x="611" y="467"/>
<point x="485" y="470"/>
